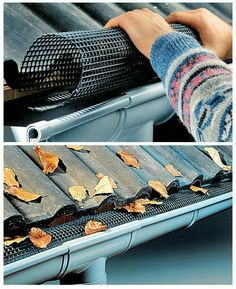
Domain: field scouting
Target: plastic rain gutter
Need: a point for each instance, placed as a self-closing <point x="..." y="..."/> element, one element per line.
<point x="88" y="254"/>
<point x="43" y="130"/>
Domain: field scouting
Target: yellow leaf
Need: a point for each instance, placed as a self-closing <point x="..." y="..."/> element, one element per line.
<point x="75" y="147"/>
<point x="39" y="238"/>
<point x="92" y="227"/>
<point x="21" y="194"/>
<point x="215" y="156"/>
<point x="159" y="188"/>
<point x="103" y="187"/>
<point x="134" y="207"/>
<point x="17" y="239"/>
<point x="148" y="202"/>
<point x="10" y="178"/>
<point x="49" y="160"/>
<point x="79" y="193"/>
<point x="173" y="171"/>
<point x="128" y="159"/>
<point x="198" y="189"/>
<point x="113" y="183"/>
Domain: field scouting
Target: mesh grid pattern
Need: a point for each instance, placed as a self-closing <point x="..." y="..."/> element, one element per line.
<point x="87" y="62"/>
<point x="75" y="229"/>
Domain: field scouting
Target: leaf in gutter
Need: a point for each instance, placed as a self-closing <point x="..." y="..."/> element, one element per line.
<point x="103" y="187"/>
<point x="77" y="148"/>
<point x="92" y="227"/>
<point x="18" y="239"/>
<point x="198" y="189"/>
<point x="113" y="183"/>
<point x="134" y="207"/>
<point x="39" y="238"/>
<point x="79" y="193"/>
<point x="22" y="195"/>
<point x="10" y="178"/>
<point x="128" y="159"/>
<point x="49" y="160"/>
<point x="173" y="171"/>
<point x="159" y="188"/>
<point x="148" y="202"/>
<point x="215" y="156"/>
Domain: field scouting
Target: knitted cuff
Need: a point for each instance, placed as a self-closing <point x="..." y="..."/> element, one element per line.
<point x="167" y="48"/>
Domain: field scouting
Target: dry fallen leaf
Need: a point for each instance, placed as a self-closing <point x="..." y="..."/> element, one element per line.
<point x="17" y="239"/>
<point x="39" y="238"/>
<point x="134" y="207"/>
<point x="103" y="187"/>
<point x="79" y="193"/>
<point x="148" y="202"/>
<point x="128" y="159"/>
<point x="49" y="160"/>
<point x="198" y="189"/>
<point x="138" y="206"/>
<point x="173" y="171"/>
<point x="215" y="156"/>
<point x="21" y="194"/>
<point x="75" y="147"/>
<point x="10" y="178"/>
<point x="92" y="227"/>
<point x="113" y="183"/>
<point x="159" y="188"/>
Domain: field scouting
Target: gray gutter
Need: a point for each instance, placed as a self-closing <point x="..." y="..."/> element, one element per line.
<point x="80" y="255"/>
<point x="150" y="95"/>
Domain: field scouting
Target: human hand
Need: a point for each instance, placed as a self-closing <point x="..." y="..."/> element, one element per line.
<point x="215" y="34"/>
<point x="143" y="27"/>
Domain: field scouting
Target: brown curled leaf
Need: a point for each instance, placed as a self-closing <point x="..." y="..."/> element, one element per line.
<point x="75" y="147"/>
<point x="128" y="159"/>
<point x="113" y="183"/>
<point x="134" y="207"/>
<point x="148" y="202"/>
<point x="79" y="193"/>
<point x="92" y="227"/>
<point x="103" y="187"/>
<point x="17" y="239"/>
<point x="215" y="156"/>
<point x="49" y="160"/>
<point x="22" y="194"/>
<point x="173" y="171"/>
<point x="198" y="189"/>
<point x="10" y="178"/>
<point x="159" y="187"/>
<point x="39" y="238"/>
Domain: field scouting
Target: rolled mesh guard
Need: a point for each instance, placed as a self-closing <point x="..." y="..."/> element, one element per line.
<point x="87" y="63"/>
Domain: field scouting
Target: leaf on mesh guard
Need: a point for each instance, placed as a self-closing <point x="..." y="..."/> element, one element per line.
<point x="159" y="187"/>
<point x="92" y="227"/>
<point x="215" y="156"/>
<point x="39" y="238"/>
<point x="49" y="160"/>
<point x="22" y="194"/>
<point x="17" y="239"/>
<point x="79" y="193"/>
<point x="10" y="178"/>
<point x="173" y="171"/>
<point x="134" y="207"/>
<point x="198" y="189"/>
<point x="113" y="183"/>
<point x="77" y="148"/>
<point x="148" y="202"/>
<point x="103" y="187"/>
<point x="128" y="159"/>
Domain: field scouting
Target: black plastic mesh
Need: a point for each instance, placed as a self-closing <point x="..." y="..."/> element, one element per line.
<point x="89" y="62"/>
<point x="75" y="229"/>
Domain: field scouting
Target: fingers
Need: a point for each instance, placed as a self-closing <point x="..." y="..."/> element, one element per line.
<point x="183" y="17"/>
<point x="114" y="22"/>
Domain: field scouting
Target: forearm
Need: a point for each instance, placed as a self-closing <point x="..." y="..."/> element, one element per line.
<point x="198" y="84"/>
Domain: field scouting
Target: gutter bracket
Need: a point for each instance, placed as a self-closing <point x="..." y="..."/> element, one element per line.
<point x="194" y="218"/>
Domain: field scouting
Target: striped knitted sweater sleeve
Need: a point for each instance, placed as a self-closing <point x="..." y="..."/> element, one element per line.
<point x="198" y="85"/>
